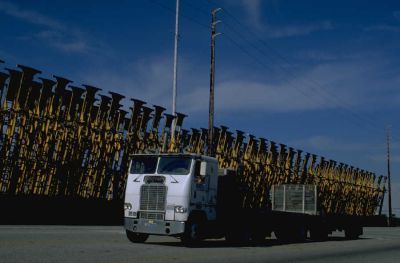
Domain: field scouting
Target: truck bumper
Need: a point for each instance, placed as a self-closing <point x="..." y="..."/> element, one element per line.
<point x="154" y="227"/>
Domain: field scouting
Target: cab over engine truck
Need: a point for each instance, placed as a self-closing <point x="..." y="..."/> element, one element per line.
<point x="187" y="196"/>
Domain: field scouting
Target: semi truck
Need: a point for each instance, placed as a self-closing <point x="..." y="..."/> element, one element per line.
<point x="189" y="197"/>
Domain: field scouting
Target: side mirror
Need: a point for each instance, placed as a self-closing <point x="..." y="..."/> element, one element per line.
<point x="203" y="168"/>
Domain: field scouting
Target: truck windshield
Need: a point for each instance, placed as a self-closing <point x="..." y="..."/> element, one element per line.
<point x="144" y="164"/>
<point x="174" y="165"/>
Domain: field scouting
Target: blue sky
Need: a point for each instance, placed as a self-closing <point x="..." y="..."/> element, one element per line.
<point x="321" y="76"/>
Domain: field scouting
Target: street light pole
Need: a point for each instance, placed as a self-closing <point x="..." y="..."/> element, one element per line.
<point x="174" y="84"/>
<point x="210" y="147"/>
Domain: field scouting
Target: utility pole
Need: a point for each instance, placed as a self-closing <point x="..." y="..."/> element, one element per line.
<point x="214" y="23"/>
<point x="174" y="84"/>
<point x="388" y="131"/>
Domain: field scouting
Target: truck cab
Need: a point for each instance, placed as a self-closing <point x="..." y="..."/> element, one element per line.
<point x="170" y="194"/>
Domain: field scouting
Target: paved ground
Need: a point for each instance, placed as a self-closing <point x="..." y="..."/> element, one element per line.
<point x="108" y="244"/>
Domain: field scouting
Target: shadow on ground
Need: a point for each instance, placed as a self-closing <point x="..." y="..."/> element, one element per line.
<point x="221" y="243"/>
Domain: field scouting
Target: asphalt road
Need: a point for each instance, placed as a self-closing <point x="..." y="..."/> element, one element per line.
<point x="26" y="244"/>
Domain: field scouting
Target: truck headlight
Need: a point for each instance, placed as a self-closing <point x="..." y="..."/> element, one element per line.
<point x="128" y="206"/>
<point x="180" y="209"/>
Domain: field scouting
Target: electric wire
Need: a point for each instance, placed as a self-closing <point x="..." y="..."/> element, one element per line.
<point x="342" y="109"/>
<point x="302" y="92"/>
<point x="316" y="86"/>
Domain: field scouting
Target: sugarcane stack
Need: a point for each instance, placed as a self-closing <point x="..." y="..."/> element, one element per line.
<point x="62" y="140"/>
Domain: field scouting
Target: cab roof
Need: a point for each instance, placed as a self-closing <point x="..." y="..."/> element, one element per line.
<point x="191" y="155"/>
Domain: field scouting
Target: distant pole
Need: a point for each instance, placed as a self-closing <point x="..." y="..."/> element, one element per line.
<point x="174" y="84"/>
<point x="388" y="131"/>
<point x="212" y="82"/>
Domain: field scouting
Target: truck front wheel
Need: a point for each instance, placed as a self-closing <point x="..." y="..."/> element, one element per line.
<point x="136" y="237"/>
<point x="192" y="234"/>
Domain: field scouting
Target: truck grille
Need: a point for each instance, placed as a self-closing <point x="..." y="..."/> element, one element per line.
<point x="152" y="197"/>
<point x="150" y="215"/>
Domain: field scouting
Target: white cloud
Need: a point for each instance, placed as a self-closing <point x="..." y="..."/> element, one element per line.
<point x="148" y="79"/>
<point x="338" y="85"/>
<point x="29" y="16"/>
<point x="316" y="55"/>
<point x="55" y="34"/>
<point x="296" y="30"/>
<point x="63" y="42"/>
<point x="388" y="28"/>
<point x="396" y="15"/>
<point x="237" y="95"/>
<point x="253" y="10"/>
<point x="345" y="85"/>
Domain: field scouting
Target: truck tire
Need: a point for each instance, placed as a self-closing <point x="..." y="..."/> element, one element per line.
<point x="282" y="235"/>
<point x="354" y="232"/>
<point x="300" y="234"/>
<point x="237" y="239"/>
<point x="291" y="234"/>
<point x="318" y="234"/>
<point x="192" y="235"/>
<point x="136" y="237"/>
<point x="258" y="237"/>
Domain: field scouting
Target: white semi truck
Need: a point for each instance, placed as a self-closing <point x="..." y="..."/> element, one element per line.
<point x="187" y="196"/>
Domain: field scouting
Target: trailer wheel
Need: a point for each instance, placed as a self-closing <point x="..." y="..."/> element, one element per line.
<point x="353" y="232"/>
<point x="300" y="233"/>
<point x="318" y="234"/>
<point x="136" y="237"/>
<point x="258" y="237"/>
<point x="282" y="235"/>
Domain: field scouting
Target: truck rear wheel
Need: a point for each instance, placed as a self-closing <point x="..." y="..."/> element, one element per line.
<point x="136" y="237"/>
<point x="238" y="238"/>
<point x="291" y="234"/>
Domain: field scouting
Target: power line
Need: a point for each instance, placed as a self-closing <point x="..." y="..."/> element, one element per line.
<point x="243" y="49"/>
<point x="337" y="102"/>
<point x="201" y="10"/>
<point x="302" y="92"/>
<point x="340" y="107"/>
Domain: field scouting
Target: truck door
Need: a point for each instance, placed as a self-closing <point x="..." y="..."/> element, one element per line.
<point x="200" y="188"/>
<point x="203" y="197"/>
